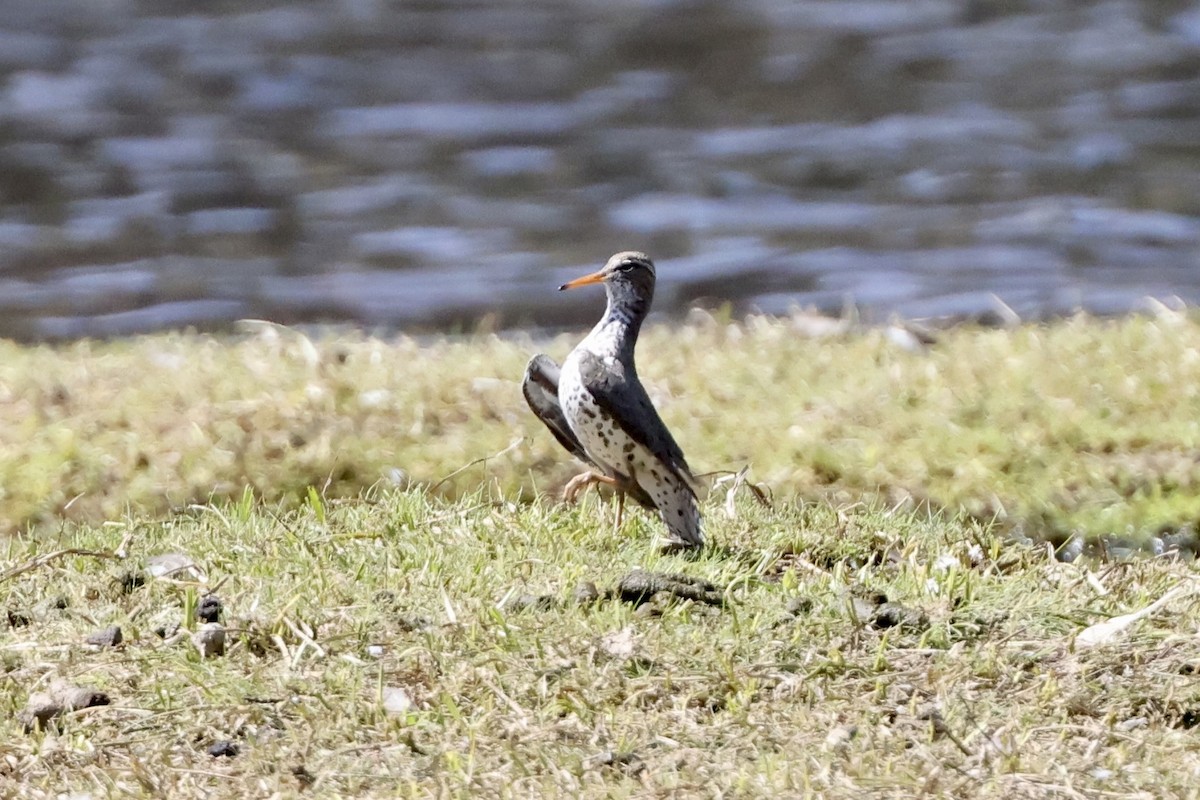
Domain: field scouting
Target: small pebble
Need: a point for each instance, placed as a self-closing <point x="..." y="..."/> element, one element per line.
<point x="224" y="749"/>
<point x="840" y="736"/>
<point x="396" y="700"/>
<point x="209" y="609"/>
<point x="108" y="637"/>
<point x="209" y="639"/>
<point x="166" y="630"/>
<point x="131" y="580"/>
<point x="1131" y="724"/>
<point x="375" y="650"/>
<point x="586" y="593"/>
<point x="303" y="776"/>
<point x="529" y="602"/>
<point x="413" y="622"/>
<point x="891" y="615"/>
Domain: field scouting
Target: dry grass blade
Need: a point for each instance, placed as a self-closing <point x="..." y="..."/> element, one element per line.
<point x="483" y="460"/>
<point x="1108" y="630"/>
<point x="36" y="562"/>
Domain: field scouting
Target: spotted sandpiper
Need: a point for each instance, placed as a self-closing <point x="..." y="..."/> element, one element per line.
<point x="597" y="408"/>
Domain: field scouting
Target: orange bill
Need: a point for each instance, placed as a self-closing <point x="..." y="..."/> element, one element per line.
<point x="595" y="277"/>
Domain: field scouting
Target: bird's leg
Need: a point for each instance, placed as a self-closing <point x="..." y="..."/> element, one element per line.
<point x="621" y="498"/>
<point x="582" y="481"/>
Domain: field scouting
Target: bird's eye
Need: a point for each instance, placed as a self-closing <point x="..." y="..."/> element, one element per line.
<point x="625" y="266"/>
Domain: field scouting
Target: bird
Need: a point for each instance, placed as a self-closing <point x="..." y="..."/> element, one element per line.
<point x="598" y="410"/>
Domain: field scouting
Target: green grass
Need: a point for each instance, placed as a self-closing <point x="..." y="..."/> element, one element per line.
<point x="1084" y="425"/>
<point x="380" y="523"/>
<point x="788" y="689"/>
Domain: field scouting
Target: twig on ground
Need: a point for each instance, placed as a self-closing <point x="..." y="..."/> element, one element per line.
<point x="40" y="561"/>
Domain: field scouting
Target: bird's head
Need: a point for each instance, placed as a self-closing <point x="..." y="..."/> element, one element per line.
<point x="626" y="274"/>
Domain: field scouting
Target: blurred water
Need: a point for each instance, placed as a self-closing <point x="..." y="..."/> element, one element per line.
<point x="424" y="164"/>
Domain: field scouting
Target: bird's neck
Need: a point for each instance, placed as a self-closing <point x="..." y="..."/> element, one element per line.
<point x="622" y="321"/>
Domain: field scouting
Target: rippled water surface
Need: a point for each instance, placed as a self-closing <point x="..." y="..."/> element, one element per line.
<point x="426" y="164"/>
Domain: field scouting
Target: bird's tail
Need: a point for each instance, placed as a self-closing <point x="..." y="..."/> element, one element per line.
<point x="681" y="514"/>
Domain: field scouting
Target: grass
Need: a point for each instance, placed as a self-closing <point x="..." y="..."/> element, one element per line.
<point x="793" y="687"/>
<point x="1084" y="426"/>
<point x="399" y="588"/>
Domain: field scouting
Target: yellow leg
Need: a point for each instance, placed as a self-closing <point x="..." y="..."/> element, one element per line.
<point x="582" y="481"/>
<point x="620" y="512"/>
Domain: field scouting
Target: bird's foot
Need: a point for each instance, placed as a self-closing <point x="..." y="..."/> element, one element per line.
<point x="673" y="546"/>
<point x="582" y="481"/>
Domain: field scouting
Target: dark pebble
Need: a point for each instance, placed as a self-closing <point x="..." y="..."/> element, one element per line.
<point x="18" y="619"/>
<point x="586" y="593"/>
<point x="166" y="630"/>
<point x="892" y="615"/>
<point x="413" y="622"/>
<point x="108" y="637"/>
<point x="61" y="603"/>
<point x="224" y="749"/>
<point x="209" y="609"/>
<point x="131" y="581"/>
<point x="527" y="602"/>
<point x="303" y="776"/>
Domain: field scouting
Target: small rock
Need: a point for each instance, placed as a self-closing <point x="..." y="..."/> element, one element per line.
<point x="131" y="580"/>
<point x="1131" y="724"/>
<point x="892" y="615"/>
<point x="1071" y="550"/>
<point x="209" y="609"/>
<point x="840" y="736"/>
<point x="619" y="644"/>
<point x="224" y="749"/>
<point x="108" y="637"/>
<point x="209" y="639"/>
<point x="528" y="602"/>
<point x="61" y="697"/>
<point x="166" y="630"/>
<point x="175" y="566"/>
<point x="40" y="708"/>
<point x="945" y="562"/>
<point x="375" y="650"/>
<point x="396" y="700"/>
<point x="586" y="593"/>
<point x="303" y="776"/>
<point x="413" y="622"/>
